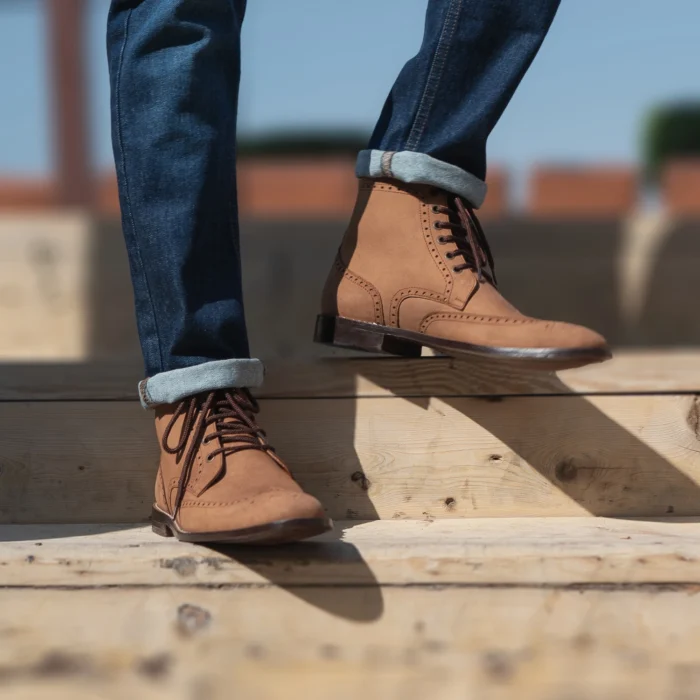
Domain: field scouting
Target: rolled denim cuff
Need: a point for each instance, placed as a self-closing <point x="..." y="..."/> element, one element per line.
<point x="172" y="386"/>
<point x="411" y="167"/>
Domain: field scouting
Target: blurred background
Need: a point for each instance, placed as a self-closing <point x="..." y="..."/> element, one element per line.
<point x="593" y="210"/>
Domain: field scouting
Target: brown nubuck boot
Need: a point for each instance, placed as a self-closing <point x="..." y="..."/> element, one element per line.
<point x="220" y="481"/>
<point x="415" y="269"/>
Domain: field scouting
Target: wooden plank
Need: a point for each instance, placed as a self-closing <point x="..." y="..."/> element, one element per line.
<point x="551" y="552"/>
<point x="347" y="642"/>
<point x="44" y="280"/>
<point x="380" y="458"/>
<point x="594" y="270"/>
<point x="630" y="372"/>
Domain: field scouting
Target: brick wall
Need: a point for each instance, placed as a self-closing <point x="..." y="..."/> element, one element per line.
<point x="268" y="189"/>
<point x="596" y="192"/>
<point x="680" y="188"/>
<point x="282" y="189"/>
<point x="321" y="189"/>
<point x="17" y="194"/>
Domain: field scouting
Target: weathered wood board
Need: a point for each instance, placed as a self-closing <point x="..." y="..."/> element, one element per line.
<point x="371" y="458"/>
<point x="638" y="372"/>
<point x="312" y="643"/>
<point x="527" y="552"/>
<point x="44" y="281"/>
<point x="65" y="292"/>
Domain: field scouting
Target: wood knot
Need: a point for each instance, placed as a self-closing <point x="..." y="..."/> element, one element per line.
<point x="499" y="666"/>
<point x="182" y="566"/>
<point x="566" y="470"/>
<point x="693" y="418"/>
<point x="192" y="619"/>
<point x="155" y="667"/>
<point x="361" y="480"/>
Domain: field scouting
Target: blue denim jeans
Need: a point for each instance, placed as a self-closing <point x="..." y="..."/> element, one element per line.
<point x="175" y="69"/>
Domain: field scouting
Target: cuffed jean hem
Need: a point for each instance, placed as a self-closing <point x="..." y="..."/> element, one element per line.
<point x="172" y="386"/>
<point x="412" y="167"/>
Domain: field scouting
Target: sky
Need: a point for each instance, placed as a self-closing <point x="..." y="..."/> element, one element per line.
<point x="315" y="63"/>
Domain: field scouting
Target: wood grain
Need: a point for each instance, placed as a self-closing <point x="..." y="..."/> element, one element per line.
<point x="659" y="371"/>
<point x="389" y="458"/>
<point x="348" y="642"/>
<point x="527" y="552"/>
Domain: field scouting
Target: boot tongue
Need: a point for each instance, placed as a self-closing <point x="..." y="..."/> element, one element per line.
<point x="471" y="240"/>
<point x="235" y="420"/>
<point x="225" y="430"/>
<point x="238" y="427"/>
<point x="461" y="232"/>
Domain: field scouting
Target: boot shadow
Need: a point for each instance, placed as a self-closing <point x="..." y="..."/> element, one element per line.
<point x="325" y="572"/>
<point x="593" y="460"/>
<point x="40" y="533"/>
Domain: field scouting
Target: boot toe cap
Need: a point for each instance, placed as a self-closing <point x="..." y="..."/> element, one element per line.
<point x="518" y="332"/>
<point x="261" y="509"/>
<point x="570" y="336"/>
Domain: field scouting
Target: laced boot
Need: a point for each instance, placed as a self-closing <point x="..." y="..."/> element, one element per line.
<point x="219" y="480"/>
<point x="415" y="269"/>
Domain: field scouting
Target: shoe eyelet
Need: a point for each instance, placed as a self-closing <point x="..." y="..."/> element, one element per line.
<point x="456" y="270"/>
<point x="449" y="255"/>
<point x="437" y="225"/>
<point x="442" y="240"/>
<point x="436" y="209"/>
<point x="210" y="458"/>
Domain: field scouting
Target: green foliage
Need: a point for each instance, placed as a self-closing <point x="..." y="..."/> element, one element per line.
<point x="303" y="143"/>
<point x="672" y="131"/>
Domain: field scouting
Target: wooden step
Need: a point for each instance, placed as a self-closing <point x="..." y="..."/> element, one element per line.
<point x="67" y="292"/>
<point x="629" y="372"/>
<point x="528" y="608"/>
<point x="411" y="440"/>
<point x="538" y="552"/>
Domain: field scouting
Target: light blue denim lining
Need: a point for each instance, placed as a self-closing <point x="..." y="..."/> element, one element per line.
<point x="408" y="166"/>
<point x="172" y="386"/>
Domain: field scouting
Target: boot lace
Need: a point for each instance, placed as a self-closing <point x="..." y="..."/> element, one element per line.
<point x="469" y="236"/>
<point x="233" y="411"/>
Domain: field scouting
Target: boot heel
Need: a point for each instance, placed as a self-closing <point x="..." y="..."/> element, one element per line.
<point x="159" y="524"/>
<point x="355" y="335"/>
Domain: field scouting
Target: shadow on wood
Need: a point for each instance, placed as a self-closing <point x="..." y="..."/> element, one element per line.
<point x="38" y="533"/>
<point x="592" y="459"/>
<point x="360" y="600"/>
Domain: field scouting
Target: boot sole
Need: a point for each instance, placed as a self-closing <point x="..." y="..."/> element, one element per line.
<point x="277" y="532"/>
<point x="373" y="337"/>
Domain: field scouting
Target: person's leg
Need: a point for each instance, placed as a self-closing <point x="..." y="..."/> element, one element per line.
<point x="174" y="67"/>
<point x="414" y="268"/>
<point x="447" y="99"/>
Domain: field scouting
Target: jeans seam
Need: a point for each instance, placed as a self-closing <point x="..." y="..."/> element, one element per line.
<point x="437" y="67"/>
<point x="143" y="393"/>
<point x="386" y="159"/>
<point x="127" y="195"/>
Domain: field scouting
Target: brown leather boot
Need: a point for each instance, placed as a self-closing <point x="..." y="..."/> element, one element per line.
<point x="220" y="481"/>
<point x="414" y="269"/>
